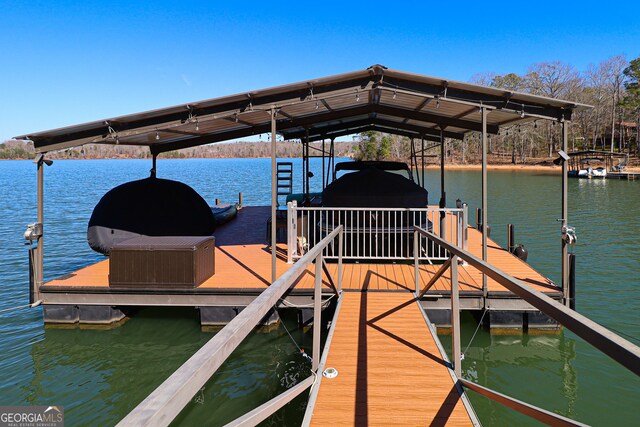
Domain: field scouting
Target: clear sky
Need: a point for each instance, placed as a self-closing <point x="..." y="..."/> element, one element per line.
<point x="68" y="62"/>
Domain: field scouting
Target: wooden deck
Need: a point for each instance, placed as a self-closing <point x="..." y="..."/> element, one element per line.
<point x="243" y="262"/>
<point x="390" y="367"/>
<point x="390" y="371"/>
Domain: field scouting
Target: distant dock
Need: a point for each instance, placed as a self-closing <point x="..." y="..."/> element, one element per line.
<point x="628" y="176"/>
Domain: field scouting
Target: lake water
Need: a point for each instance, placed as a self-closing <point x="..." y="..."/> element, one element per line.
<point x="100" y="375"/>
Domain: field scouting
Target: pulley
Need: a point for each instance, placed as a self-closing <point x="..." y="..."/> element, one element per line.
<point x="569" y="235"/>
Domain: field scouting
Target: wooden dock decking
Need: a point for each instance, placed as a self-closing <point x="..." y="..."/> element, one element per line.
<point x="390" y="371"/>
<point x="243" y="263"/>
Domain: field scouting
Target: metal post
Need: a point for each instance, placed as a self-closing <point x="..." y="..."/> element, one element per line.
<point x="485" y="213"/>
<point x="459" y="238"/>
<point x="323" y="155"/>
<point x="154" y="158"/>
<point x="39" y="258"/>
<point x="274" y="196"/>
<point x="465" y="226"/>
<point x="332" y="161"/>
<point x="291" y="237"/>
<point x="240" y="199"/>
<point x="317" y="313"/>
<point x="455" y="318"/>
<point x="511" y="237"/>
<point x="340" y="243"/>
<point x="416" y="255"/>
<point x="443" y="195"/>
<point x="565" y="215"/>
<point x="422" y="156"/>
<point x="306" y="174"/>
<point x="412" y="155"/>
<point x="572" y="281"/>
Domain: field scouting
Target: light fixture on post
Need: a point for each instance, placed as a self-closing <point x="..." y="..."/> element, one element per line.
<point x="562" y="157"/>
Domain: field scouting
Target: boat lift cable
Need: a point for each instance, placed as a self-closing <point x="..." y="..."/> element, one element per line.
<point x="302" y="352"/>
<point x="474" y="334"/>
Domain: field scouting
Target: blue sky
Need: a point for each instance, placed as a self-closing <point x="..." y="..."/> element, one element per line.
<point x="68" y="62"/>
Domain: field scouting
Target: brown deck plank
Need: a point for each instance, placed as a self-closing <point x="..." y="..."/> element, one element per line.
<point x="374" y="386"/>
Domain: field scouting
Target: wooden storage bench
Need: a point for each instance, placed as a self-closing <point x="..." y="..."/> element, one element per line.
<point x="162" y="262"/>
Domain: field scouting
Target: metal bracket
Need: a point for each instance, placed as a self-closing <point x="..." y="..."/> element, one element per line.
<point x="34" y="231"/>
<point x="569" y="235"/>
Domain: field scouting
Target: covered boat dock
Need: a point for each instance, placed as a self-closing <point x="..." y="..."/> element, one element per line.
<point x="383" y="307"/>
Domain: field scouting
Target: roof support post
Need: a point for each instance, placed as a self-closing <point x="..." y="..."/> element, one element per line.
<point x="422" y="160"/>
<point x="412" y="156"/>
<point x="274" y="196"/>
<point x="305" y="160"/>
<point x="154" y="157"/>
<point x="443" y="195"/>
<point x="39" y="255"/>
<point x="323" y="161"/>
<point x="485" y="214"/>
<point x="565" y="215"/>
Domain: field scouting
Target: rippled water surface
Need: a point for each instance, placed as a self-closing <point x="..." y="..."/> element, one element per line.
<point x="100" y="375"/>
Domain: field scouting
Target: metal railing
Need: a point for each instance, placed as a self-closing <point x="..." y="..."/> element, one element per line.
<point x="169" y="399"/>
<point x="375" y="233"/>
<point x="614" y="346"/>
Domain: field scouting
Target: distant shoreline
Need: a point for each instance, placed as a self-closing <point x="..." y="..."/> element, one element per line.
<point x="448" y="166"/>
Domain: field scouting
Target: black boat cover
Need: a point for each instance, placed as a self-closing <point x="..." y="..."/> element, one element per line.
<point x="149" y="207"/>
<point x="373" y="187"/>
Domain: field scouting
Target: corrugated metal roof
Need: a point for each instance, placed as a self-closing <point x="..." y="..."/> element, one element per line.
<point x="376" y="98"/>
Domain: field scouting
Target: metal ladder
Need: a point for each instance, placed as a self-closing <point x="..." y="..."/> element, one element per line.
<point x="284" y="179"/>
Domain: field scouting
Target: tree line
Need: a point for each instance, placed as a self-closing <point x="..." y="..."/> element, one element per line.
<point x="611" y="87"/>
<point x="243" y="149"/>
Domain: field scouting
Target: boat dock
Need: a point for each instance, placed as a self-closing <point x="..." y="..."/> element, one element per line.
<point x="628" y="176"/>
<point x="390" y="268"/>
<point x="243" y="271"/>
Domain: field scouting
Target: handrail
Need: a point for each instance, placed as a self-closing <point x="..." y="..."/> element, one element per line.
<point x="614" y="346"/>
<point x="525" y="408"/>
<point x="166" y="401"/>
<point x="617" y="348"/>
<point x="372" y="232"/>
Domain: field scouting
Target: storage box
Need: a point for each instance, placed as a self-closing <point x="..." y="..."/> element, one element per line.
<point x="162" y="262"/>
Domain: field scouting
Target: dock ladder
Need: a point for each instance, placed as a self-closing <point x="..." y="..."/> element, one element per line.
<point x="284" y="179"/>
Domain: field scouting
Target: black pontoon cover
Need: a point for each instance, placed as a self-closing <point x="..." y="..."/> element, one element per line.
<point x="149" y="207"/>
<point x="373" y="187"/>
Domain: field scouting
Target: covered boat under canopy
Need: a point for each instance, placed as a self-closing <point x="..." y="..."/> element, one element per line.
<point x="373" y="187"/>
<point x="148" y="207"/>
